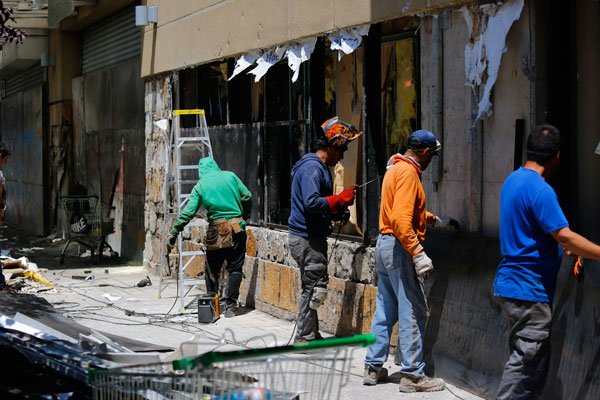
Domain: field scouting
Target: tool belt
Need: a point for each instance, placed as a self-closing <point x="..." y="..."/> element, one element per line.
<point x="220" y="233"/>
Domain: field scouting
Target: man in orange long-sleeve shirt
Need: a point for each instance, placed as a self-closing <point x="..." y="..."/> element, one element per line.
<point x="401" y="266"/>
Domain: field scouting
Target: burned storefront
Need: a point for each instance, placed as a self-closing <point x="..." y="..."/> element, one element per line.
<point x="478" y="75"/>
<point x="260" y="127"/>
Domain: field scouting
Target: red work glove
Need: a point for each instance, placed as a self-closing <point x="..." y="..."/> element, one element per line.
<point x="340" y="201"/>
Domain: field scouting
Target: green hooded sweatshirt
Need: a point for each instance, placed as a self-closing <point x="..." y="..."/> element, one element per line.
<point x="222" y="193"/>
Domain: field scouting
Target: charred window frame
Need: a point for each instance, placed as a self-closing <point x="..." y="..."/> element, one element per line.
<point x="400" y="88"/>
<point x="286" y="129"/>
<point x="205" y="87"/>
<point x="377" y="146"/>
<point x="258" y="130"/>
<point x="342" y="95"/>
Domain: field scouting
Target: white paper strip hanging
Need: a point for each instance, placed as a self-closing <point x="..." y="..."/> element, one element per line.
<point x="298" y="53"/>
<point x="244" y="62"/>
<point x="266" y="61"/>
<point x="346" y="40"/>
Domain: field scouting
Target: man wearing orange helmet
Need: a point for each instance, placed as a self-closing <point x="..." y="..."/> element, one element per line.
<point x="313" y="207"/>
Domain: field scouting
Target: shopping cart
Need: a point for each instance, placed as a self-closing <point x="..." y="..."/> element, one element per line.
<point x="89" y="224"/>
<point x="314" y="370"/>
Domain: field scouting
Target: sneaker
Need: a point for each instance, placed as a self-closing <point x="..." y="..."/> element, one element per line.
<point x="300" y="341"/>
<point x="421" y="384"/>
<point x="232" y="311"/>
<point x="374" y="375"/>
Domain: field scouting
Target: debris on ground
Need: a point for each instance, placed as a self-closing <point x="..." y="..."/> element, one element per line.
<point x="111" y="297"/>
<point x="110" y="253"/>
<point x="37" y="277"/>
<point x="86" y="254"/>
<point x="30" y="289"/>
<point x="84" y="277"/>
<point x="8" y="262"/>
<point x="14" y="268"/>
<point x="144" y="282"/>
<point x="57" y="352"/>
<point x="106" y="253"/>
<point x="27" y="250"/>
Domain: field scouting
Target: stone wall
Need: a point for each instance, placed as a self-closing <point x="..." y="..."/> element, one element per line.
<point x="272" y="281"/>
<point x="157" y="106"/>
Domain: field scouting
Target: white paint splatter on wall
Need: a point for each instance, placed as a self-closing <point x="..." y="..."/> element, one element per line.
<point x="488" y="26"/>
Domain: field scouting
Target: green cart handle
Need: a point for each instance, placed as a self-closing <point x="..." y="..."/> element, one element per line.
<point x="207" y="359"/>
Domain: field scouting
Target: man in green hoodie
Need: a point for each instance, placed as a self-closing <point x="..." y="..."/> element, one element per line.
<point x="228" y="203"/>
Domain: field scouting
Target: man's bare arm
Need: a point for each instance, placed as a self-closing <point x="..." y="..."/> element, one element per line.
<point x="577" y="244"/>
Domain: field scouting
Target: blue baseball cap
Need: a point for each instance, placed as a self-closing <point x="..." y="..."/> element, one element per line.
<point x="422" y="139"/>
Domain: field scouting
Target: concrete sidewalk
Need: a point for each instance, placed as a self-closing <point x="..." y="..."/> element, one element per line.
<point x="111" y="303"/>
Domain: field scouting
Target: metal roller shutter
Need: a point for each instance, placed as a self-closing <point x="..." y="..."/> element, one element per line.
<point x="111" y="41"/>
<point x="31" y="78"/>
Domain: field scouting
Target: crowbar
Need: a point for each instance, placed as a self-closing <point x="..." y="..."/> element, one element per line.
<point x="366" y="183"/>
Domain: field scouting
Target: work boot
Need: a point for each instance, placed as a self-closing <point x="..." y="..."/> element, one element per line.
<point x="299" y="340"/>
<point x="421" y="384"/>
<point x="232" y="310"/>
<point x="374" y="375"/>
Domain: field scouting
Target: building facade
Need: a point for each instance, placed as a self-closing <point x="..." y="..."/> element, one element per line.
<point x="73" y="113"/>
<point x="479" y="74"/>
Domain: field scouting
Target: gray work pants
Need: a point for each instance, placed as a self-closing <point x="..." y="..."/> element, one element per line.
<point x="311" y="256"/>
<point x="525" y="372"/>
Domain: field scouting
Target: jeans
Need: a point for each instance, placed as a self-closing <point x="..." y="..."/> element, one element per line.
<point x="525" y="371"/>
<point x="235" y="257"/>
<point x="399" y="298"/>
<point x="311" y="256"/>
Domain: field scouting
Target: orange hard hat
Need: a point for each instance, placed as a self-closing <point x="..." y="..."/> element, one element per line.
<point x="339" y="133"/>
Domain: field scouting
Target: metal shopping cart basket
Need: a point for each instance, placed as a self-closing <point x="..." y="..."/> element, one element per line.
<point x="314" y="370"/>
<point x="89" y="224"/>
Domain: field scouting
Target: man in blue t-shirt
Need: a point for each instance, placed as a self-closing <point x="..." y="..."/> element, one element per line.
<point x="533" y="234"/>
